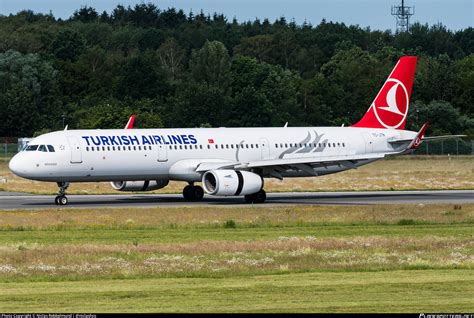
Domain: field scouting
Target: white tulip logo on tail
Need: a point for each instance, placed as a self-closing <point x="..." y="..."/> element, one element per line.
<point x="391" y="104"/>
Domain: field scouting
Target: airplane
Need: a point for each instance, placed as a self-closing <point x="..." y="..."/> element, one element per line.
<point x="228" y="161"/>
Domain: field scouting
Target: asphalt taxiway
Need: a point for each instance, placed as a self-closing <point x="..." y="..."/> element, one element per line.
<point x="10" y="200"/>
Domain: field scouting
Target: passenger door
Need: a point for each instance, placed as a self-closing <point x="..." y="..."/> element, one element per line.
<point x="75" y="146"/>
<point x="265" y="148"/>
<point x="162" y="153"/>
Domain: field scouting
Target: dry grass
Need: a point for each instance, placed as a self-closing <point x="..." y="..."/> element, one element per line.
<point x="304" y="258"/>
<point x="211" y="257"/>
<point x="129" y="218"/>
<point x="50" y="242"/>
<point x="403" y="173"/>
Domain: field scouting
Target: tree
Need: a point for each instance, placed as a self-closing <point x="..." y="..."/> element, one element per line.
<point x="171" y="56"/>
<point x="139" y="78"/>
<point x="356" y="77"/>
<point x="85" y="14"/>
<point x="464" y="84"/>
<point x="211" y="64"/>
<point x="443" y="117"/>
<point x="434" y="79"/>
<point x="67" y="45"/>
<point x="28" y="94"/>
<point x="198" y="103"/>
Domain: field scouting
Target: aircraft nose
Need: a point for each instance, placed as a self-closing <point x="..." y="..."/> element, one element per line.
<point x="15" y="165"/>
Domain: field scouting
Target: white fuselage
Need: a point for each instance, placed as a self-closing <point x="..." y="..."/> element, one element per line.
<point x="174" y="154"/>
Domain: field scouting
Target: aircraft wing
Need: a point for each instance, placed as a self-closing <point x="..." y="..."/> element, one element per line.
<point x="346" y="160"/>
<point x="275" y="166"/>
<point x="206" y="166"/>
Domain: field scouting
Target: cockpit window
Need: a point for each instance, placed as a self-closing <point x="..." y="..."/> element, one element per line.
<point x="50" y="148"/>
<point x="42" y="148"/>
<point x="31" y="148"/>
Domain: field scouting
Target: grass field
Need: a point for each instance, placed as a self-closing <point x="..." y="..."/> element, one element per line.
<point x="401" y="173"/>
<point x="396" y="258"/>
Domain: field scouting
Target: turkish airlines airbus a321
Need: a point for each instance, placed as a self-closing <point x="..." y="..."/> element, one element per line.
<point x="228" y="161"/>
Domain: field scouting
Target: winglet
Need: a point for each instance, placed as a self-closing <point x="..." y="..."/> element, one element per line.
<point x="416" y="142"/>
<point x="129" y="125"/>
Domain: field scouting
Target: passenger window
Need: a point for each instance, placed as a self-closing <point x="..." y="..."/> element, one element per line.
<point x="108" y="148"/>
<point x="180" y="147"/>
<point x="50" y="148"/>
<point x="87" y="148"/>
<point x="171" y="147"/>
<point x="208" y="146"/>
<point x="256" y="146"/>
<point x="113" y="148"/>
<point x="103" y="148"/>
<point x="339" y="144"/>
<point x="92" y="148"/>
<point x="200" y="146"/>
<point x="329" y="144"/>
<point x="98" y="149"/>
<point x="286" y="145"/>
<point x="227" y="146"/>
<point x="319" y="145"/>
<point x="343" y="144"/>
<point x="232" y="146"/>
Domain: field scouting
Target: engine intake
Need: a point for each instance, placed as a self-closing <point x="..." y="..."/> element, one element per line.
<point x="231" y="182"/>
<point x="146" y="185"/>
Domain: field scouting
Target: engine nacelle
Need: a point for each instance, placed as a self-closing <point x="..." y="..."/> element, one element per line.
<point x="231" y="182"/>
<point x="139" y="185"/>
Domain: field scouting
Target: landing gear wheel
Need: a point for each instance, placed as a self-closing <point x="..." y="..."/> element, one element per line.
<point x="198" y="193"/>
<point x="187" y="192"/>
<point x="61" y="199"/>
<point x="193" y="193"/>
<point x="258" y="197"/>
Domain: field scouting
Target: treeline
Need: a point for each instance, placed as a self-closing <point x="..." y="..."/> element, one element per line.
<point x="176" y="69"/>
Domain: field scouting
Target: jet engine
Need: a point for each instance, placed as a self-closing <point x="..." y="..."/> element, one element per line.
<point x="147" y="185"/>
<point x="231" y="182"/>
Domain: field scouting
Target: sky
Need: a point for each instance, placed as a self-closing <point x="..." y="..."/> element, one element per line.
<point x="455" y="14"/>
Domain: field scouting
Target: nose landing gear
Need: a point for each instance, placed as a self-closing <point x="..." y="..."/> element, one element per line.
<point x="61" y="198"/>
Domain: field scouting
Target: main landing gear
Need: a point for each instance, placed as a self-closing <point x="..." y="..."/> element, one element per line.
<point x="193" y="193"/>
<point x="61" y="198"/>
<point x="258" y="197"/>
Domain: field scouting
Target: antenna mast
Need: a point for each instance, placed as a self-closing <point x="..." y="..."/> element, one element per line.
<point x="403" y="13"/>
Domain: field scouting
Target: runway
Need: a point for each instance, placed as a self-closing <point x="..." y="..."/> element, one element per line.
<point x="28" y="201"/>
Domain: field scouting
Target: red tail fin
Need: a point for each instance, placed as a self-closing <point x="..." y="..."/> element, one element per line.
<point x="390" y="108"/>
